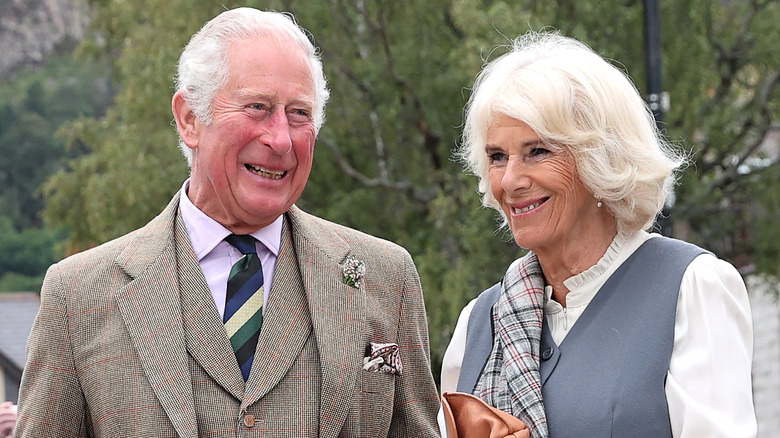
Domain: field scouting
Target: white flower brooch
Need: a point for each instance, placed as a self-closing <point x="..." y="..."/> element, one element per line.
<point x="354" y="270"/>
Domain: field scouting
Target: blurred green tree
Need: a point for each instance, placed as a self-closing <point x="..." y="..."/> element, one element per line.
<point x="32" y="107"/>
<point x="399" y="72"/>
<point x="26" y="255"/>
<point x="33" y="104"/>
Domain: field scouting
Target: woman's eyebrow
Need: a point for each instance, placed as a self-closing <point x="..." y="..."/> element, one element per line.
<point x="534" y="142"/>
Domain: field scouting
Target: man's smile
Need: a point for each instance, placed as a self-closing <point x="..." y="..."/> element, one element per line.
<point x="266" y="173"/>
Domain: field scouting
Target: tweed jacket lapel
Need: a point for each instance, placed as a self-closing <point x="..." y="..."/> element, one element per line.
<point x="205" y="333"/>
<point x="150" y="307"/>
<point x="338" y="314"/>
<point x="286" y="324"/>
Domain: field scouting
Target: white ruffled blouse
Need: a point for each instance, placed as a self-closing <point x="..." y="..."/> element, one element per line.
<point x="708" y="385"/>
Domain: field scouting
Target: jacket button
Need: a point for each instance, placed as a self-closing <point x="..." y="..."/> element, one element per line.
<point x="547" y="353"/>
<point x="249" y="420"/>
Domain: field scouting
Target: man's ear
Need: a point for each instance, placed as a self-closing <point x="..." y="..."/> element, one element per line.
<point x="186" y="121"/>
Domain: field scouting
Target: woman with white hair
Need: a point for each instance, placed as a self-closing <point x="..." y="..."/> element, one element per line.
<point x="602" y="328"/>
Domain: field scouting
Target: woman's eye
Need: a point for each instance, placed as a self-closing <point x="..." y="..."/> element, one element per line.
<point x="535" y="152"/>
<point x="496" y="157"/>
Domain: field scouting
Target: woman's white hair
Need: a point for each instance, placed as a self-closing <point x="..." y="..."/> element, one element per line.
<point x="571" y="97"/>
<point x="203" y="65"/>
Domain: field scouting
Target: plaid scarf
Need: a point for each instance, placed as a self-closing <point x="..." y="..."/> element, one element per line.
<point x="511" y="380"/>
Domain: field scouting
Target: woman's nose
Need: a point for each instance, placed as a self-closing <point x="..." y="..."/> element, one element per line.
<point x="515" y="177"/>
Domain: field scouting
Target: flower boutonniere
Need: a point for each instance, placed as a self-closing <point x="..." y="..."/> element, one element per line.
<point x="354" y="270"/>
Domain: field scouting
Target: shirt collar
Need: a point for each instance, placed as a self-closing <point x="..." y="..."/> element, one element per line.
<point x="206" y="233"/>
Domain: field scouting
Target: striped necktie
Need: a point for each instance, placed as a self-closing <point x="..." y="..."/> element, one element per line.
<point x="244" y="302"/>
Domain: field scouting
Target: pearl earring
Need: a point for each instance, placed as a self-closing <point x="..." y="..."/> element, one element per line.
<point x="599" y="204"/>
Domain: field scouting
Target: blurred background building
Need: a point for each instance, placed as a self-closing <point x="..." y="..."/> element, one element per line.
<point x="17" y="313"/>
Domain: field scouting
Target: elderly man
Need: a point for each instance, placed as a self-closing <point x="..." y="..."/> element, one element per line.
<point x="234" y="313"/>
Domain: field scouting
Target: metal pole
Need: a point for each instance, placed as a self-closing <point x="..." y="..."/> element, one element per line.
<point x="657" y="98"/>
<point x="655" y="87"/>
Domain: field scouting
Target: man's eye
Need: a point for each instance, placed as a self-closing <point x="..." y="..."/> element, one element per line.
<point x="299" y="115"/>
<point x="257" y="106"/>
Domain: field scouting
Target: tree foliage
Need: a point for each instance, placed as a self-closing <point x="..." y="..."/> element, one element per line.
<point x="26" y="255"/>
<point x="33" y="104"/>
<point x="726" y="109"/>
<point x="32" y="107"/>
<point x="399" y="73"/>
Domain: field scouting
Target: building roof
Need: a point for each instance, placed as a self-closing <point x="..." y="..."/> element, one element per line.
<point x="17" y="313"/>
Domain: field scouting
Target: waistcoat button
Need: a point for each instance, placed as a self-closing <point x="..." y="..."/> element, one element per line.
<point x="249" y="420"/>
<point x="547" y="353"/>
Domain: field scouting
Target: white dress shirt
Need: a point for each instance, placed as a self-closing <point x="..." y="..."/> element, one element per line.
<point x="708" y="385"/>
<point x="216" y="257"/>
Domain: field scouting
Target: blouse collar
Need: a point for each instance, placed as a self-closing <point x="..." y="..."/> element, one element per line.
<point x="576" y="284"/>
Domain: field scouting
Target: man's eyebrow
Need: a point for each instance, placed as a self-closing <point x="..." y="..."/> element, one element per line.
<point x="246" y="93"/>
<point x="249" y="94"/>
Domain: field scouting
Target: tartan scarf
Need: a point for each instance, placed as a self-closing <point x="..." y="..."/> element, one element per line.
<point x="511" y="380"/>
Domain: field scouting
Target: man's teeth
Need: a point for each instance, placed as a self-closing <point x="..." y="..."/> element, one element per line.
<point x="273" y="174"/>
<point x="528" y="208"/>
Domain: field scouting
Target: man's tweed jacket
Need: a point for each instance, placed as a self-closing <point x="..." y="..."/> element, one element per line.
<point x="128" y="343"/>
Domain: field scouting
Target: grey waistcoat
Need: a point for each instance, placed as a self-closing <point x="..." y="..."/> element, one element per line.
<point x="607" y="377"/>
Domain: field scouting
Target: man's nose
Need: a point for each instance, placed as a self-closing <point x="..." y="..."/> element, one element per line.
<point x="277" y="135"/>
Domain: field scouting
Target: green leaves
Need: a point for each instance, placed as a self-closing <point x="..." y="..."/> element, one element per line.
<point x="400" y="74"/>
<point x="26" y="255"/>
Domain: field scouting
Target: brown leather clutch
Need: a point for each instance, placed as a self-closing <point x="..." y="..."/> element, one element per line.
<point x="467" y="416"/>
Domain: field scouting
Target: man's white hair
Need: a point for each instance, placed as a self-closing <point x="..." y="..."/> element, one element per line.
<point x="203" y="65"/>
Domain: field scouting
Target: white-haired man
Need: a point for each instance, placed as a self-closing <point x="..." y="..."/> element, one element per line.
<point x="234" y="313"/>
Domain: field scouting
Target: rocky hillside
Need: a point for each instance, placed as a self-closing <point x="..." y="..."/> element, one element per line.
<point x="30" y="30"/>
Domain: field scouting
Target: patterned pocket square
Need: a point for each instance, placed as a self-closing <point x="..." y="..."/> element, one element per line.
<point x="383" y="358"/>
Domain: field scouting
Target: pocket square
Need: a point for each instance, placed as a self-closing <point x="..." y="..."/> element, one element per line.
<point x="383" y="358"/>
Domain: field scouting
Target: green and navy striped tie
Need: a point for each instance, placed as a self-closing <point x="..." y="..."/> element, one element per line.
<point x="244" y="302"/>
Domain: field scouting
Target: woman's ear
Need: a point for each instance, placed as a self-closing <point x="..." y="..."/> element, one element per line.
<point x="186" y="121"/>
